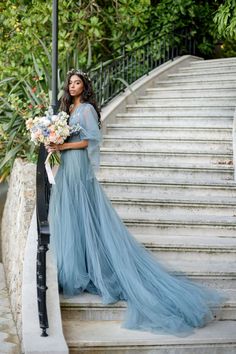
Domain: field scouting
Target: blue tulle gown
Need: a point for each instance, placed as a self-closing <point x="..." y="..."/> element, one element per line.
<point x="96" y="253"/>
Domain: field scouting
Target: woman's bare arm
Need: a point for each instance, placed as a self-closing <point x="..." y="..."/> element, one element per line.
<point x="76" y="145"/>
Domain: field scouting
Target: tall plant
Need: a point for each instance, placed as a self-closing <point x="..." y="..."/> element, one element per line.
<point x="27" y="98"/>
<point x="225" y="20"/>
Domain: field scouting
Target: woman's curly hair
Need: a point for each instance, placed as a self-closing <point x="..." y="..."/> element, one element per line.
<point x="86" y="96"/>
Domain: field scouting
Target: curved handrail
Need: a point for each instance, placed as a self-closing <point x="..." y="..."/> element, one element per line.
<point x="115" y="75"/>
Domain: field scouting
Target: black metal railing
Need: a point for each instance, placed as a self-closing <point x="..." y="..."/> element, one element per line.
<point x="114" y="76"/>
<point x="42" y="203"/>
<point x="109" y="80"/>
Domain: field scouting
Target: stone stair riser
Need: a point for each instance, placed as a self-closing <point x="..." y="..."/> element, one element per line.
<point x="164" y="145"/>
<point x="218" y="282"/>
<point x="193" y="102"/>
<point x="147" y="349"/>
<point x="222" y="62"/>
<point x="217" y="62"/>
<point x="126" y="158"/>
<point x="180" y="261"/>
<point x="220" y="113"/>
<point x="186" y="83"/>
<point x="156" y="133"/>
<point x="191" y="122"/>
<point x="190" y="93"/>
<point x="165" y="209"/>
<point x="171" y="228"/>
<point x="165" y="191"/>
<point x="118" y="313"/>
<point x="140" y="175"/>
<point x="185" y="110"/>
<point x="206" y="70"/>
<point x="202" y="76"/>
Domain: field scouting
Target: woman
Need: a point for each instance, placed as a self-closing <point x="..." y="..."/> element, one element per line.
<point x="95" y="251"/>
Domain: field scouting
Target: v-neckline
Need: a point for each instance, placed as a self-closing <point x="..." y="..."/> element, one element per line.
<point x="71" y="114"/>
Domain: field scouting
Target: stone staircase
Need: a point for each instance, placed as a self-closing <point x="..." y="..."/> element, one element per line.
<point x="167" y="168"/>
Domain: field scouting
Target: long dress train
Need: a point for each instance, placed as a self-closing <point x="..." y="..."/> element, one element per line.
<point x="95" y="252"/>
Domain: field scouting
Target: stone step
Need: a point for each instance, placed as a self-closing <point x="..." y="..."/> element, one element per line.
<point x="127" y="157"/>
<point x="223" y="166"/>
<point x="196" y="225"/>
<point x="195" y="91"/>
<point x="189" y="113"/>
<point x="172" y="122"/>
<point x="186" y="82"/>
<point x="167" y="189"/>
<point x="203" y="76"/>
<point x="163" y="109"/>
<point x="188" y="101"/>
<point x="210" y="226"/>
<point x="108" y="337"/>
<point x="193" y="94"/>
<point x="214" y="62"/>
<point x="89" y="307"/>
<point x="154" y="173"/>
<point x="177" y="252"/>
<point x="222" y="69"/>
<point x="213" y="67"/>
<point x="150" y="209"/>
<point x="152" y="132"/>
<point x="169" y="145"/>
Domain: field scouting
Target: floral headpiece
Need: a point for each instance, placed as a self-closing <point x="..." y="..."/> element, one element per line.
<point x="78" y="72"/>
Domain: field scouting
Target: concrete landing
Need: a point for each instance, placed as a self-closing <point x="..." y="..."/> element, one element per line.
<point x="93" y="337"/>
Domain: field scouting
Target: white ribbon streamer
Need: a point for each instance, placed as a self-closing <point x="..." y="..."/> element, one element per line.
<point x="49" y="170"/>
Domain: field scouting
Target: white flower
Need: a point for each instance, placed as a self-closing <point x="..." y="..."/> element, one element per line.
<point x="54" y="118"/>
<point x="45" y="121"/>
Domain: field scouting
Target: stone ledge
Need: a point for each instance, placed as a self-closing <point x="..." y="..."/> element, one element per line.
<point x="33" y="343"/>
<point x="17" y="214"/>
<point x="9" y="341"/>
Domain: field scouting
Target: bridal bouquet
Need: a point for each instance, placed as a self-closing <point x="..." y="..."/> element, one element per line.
<point x="50" y="128"/>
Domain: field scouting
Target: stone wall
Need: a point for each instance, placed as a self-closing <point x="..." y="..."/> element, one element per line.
<point x="3" y="193"/>
<point x="16" y="219"/>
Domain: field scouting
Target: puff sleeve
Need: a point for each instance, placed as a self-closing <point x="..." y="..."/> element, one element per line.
<point x="91" y="132"/>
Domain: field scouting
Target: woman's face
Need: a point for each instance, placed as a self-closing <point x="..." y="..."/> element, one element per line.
<point x="76" y="86"/>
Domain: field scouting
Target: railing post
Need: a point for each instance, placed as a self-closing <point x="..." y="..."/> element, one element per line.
<point x="101" y="89"/>
<point x="54" y="103"/>
<point x="42" y="202"/>
<point x="172" y="44"/>
<point x="43" y="191"/>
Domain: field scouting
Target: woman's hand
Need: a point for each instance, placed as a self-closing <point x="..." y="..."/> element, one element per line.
<point x="83" y="144"/>
<point x="53" y="147"/>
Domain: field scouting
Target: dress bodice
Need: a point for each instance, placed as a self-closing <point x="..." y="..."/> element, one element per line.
<point x="86" y="116"/>
<point x="75" y="116"/>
